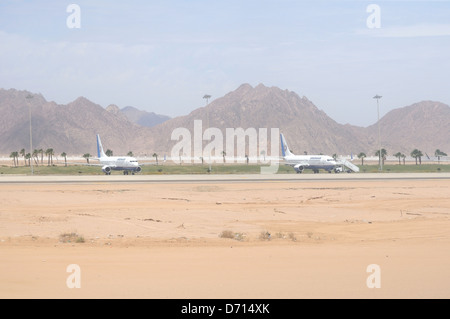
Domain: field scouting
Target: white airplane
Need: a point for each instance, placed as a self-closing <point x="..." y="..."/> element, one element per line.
<point x="302" y="162"/>
<point x="116" y="163"/>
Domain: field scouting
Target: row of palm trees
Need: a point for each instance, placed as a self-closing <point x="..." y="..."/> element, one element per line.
<point x="27" y="157"/>
<point x="49" y="153"/>
<point x="416" y="154"/>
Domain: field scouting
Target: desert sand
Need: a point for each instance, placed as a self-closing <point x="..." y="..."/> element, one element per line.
<point x="211" y="239"/>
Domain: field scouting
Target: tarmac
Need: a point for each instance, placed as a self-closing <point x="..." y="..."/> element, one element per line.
<point x="212" y="178"/>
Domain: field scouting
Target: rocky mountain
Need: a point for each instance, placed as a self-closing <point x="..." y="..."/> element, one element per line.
<point x="67" y="128"/>
<point x="72" y="128"/>
<point x="305" y="126"/>
<point x="424" y="125"/>
<point x="143" y="118"/>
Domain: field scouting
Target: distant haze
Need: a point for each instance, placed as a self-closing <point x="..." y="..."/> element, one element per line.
<point x="164" y="56"/>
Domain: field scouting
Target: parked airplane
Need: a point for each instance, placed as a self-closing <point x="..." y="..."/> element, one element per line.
<point x="302" y="162"/>
<point x="116" y="163"/>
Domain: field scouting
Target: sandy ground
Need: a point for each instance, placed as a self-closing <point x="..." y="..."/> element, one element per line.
<point x="163" y="240"/>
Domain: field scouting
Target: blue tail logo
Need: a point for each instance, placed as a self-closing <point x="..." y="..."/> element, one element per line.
<point x="99" y="147"/>
<point x="282" y="146"/>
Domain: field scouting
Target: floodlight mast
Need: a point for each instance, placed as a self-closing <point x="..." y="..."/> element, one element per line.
<point x="207" y="97"/>
<point x="377" y="97"/>
<point x="29" y="97"/>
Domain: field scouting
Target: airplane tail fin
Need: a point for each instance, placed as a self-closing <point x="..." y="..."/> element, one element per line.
<point x="100" y="152"/>
<point x="284" y="147"/>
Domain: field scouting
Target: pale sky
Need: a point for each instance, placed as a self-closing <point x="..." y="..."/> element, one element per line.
<point x="164" y="56"/>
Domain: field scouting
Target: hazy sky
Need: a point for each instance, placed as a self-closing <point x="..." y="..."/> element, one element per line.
<point x="164" y="56"/>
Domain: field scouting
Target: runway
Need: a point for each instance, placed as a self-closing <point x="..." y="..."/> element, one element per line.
<point x="213" y="178"/>
<point x="225" y="236"/>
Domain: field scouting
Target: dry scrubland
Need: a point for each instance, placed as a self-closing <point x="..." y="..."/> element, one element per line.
<point x="226" y="240"/>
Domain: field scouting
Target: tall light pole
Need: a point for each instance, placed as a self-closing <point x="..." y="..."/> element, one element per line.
<point x="207" y="97"/>
<point x="29" y="97"/>
<point x="379" y="133"/>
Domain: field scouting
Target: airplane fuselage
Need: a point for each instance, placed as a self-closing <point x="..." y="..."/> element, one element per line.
<point x="120" y="164"/>
<point x="302" y="162"/>
<point x="116" y="163"/>
<point x="313" y="162"/>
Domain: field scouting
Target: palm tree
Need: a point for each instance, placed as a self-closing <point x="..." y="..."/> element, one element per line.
<point x="438" y="154"/>
<point x="28" y="157"/>
<point x="86" y="156"/>
<point x="420" y="157"/>
<point x="383" y="154"/>
<point x="156" y="156"/>
<point x="399" y="156"/>
<point x="362" y="156"/>
<point x="15" y="157"/>
<point x="35" y="156"/>
<point x="417" y="155"/>
<point x="109" y="152"/>
<point x="63" y="154"/>
<point x="404" y="159"/>
<point x="223" y="155"/>
<point x="41" y="151"/>
<point x="49" y="152"/>
<point x="22" y="152"/>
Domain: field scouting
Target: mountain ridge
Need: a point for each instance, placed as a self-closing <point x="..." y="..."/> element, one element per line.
<point x="143" y="118"/>
<point x="71" y="128"/>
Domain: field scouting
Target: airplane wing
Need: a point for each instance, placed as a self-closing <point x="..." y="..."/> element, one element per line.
<point x="85" y="164"/>
<point x="297" y="164"/>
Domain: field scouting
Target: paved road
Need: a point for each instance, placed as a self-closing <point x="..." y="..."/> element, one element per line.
<point x="26" y="179"/>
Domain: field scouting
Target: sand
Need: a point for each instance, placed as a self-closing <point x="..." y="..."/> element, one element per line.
<point x="164" y="240"/>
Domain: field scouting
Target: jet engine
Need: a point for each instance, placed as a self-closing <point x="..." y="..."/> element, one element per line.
<point x="106" y="170"/>
<point x="299" y="168"/>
